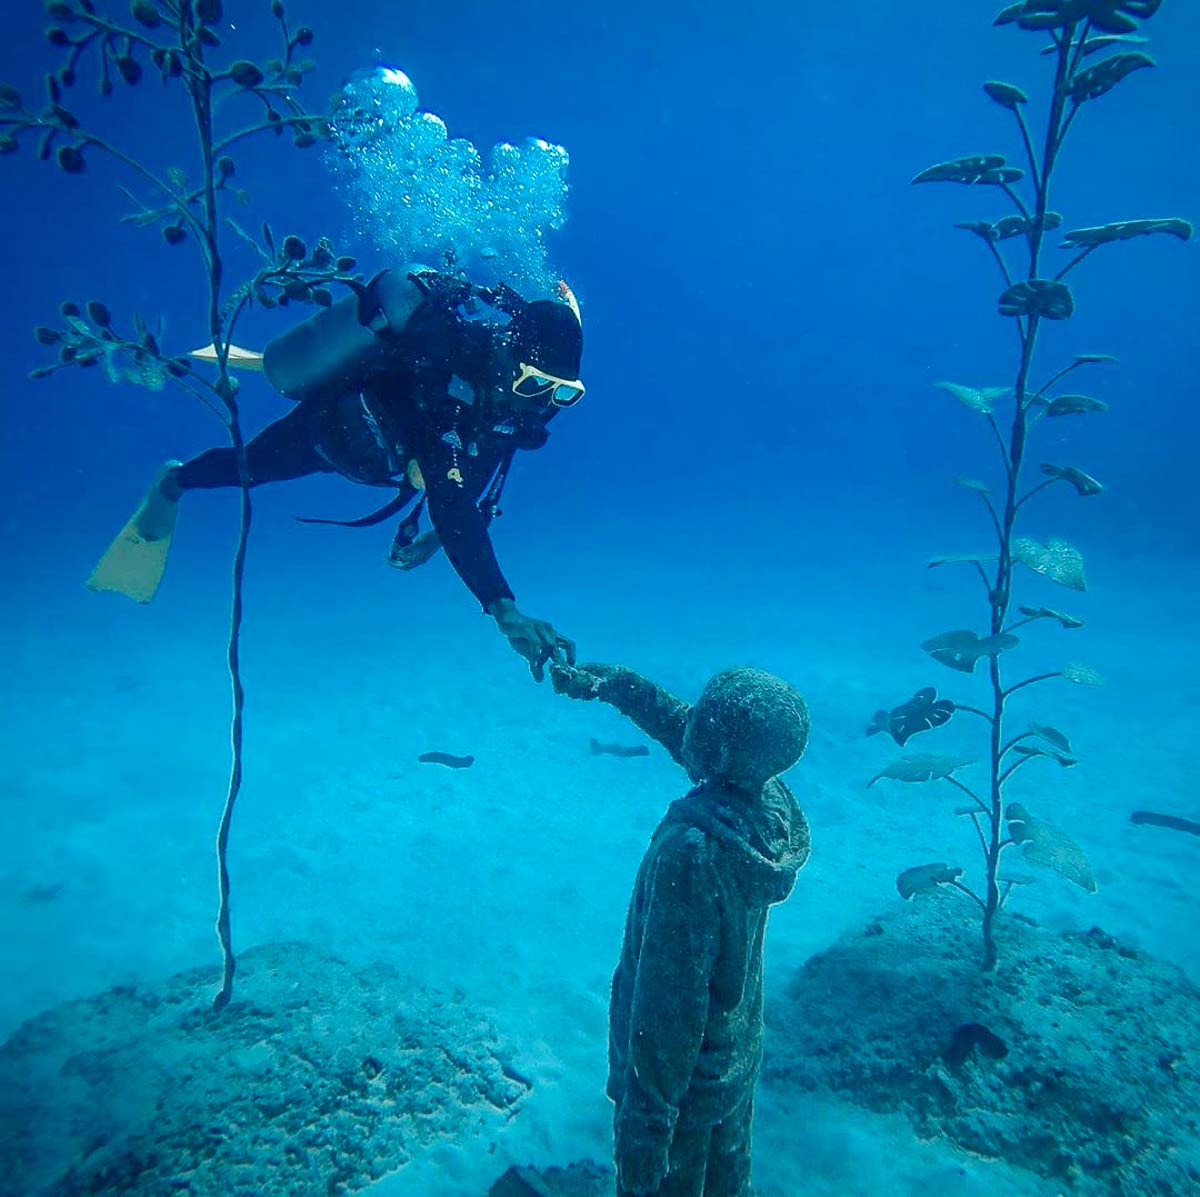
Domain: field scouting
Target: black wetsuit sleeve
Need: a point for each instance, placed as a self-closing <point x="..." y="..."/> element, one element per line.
<point x="460" y="525"/>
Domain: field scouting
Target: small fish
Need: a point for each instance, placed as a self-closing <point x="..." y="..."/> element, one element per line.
<point x="600" y="749"/>
<point x="445" y="758"/>
<point x="1174" y="822"/>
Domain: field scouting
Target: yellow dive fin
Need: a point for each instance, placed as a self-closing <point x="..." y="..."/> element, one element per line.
<point x="136" y="560"/>
<point x="239" y="359"/>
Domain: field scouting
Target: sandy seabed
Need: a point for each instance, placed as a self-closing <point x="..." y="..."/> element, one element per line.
<point x="508" y="881"/>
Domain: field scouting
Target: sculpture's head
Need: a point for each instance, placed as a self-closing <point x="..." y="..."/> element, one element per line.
<point x="747" y="727"/>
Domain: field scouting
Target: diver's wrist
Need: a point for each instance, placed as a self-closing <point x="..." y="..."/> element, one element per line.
<point x="500" y="607"/>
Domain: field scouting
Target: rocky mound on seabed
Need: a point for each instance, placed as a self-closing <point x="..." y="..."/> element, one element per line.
<point x="317" y="1079"/>
<point x="1078" y="1058"/>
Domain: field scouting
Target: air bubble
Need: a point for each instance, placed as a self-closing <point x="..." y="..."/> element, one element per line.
<point x="422" y="196"/>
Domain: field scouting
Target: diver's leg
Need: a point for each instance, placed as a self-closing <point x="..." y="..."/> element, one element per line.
<point x="282" y="451"/>
<point x="136" y="559"/>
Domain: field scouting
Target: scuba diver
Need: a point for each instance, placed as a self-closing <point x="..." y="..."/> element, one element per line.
<point x="422" y="382"/>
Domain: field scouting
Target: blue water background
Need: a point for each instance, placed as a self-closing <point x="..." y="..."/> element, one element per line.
<point x="767" y="299"/>
<point x="758" y="472"/>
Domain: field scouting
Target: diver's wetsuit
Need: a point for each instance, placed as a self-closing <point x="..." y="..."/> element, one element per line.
<point x="441" y="401"/>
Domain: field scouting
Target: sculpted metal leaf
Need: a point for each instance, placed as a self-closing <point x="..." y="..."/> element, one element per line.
<point x="980" y="399"/>
<point x="1084" y="484"/>
<point x="1038" y="297"/>
<point x="974" y="169"/>
<point x="1045" y="844"/>
<point x="921" y="766"/>
<point x="1055" y="559"/>
<point x="1067" y="621"/>
<point x="1082" y="675"/>
<point x="1052" y="736"/>
<point x="1073" y="405"/>
<point x="962" y="648"/>
<point x="1104" y="76"/>
<point x="923" y="879"/>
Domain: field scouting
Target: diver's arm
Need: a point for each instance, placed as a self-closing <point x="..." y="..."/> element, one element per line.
<point x="654" y="710"/>
<point x="462" y="527"/>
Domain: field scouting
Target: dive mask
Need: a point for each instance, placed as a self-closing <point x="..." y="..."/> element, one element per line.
<point x="532" y="382"/>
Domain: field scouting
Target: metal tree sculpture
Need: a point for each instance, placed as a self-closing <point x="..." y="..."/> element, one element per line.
<point x="1078" y="30"/>
<point x="177" y="41"/>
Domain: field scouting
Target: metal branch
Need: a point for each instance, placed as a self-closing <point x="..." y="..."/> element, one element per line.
<point x="970" y="793"/>
<point x="1012" y="769"/>
<point x="133" y="38"/>
<point x="1033" y="164"/>
<point x="1040" y="486"/>
<point x="1001" y="263"/>
<point x="197" y="394"/>
<point x="1003" y="447"/>
<point x="1051" y="381"/>
<point x="1029" y="681"/>
<point x="231" y="323"/>
<point x="1016" y="740"/>
<point x="1084" y="34"/>
<point x="180" y="202"/>
<point x="1022" y="333"/>
<point x="1016" y="199"/>
<point x="1074" y="262"/>
<point x="283" y="121"/>
<point x="993" y="513"/>
<point x="958" y="706"/>
<point x="979" y="832"/>
<point x="987" y="585"/>
<point x="1066" y="126"/>
<point x="970" y="894"/>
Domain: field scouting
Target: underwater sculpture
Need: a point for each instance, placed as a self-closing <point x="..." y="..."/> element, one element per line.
<point x="1078" y="30"/>
<point x="686" y="1016"/>
<point x="176" y="41"/>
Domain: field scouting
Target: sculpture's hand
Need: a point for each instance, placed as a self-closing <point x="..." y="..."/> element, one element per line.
<point x="584" y="682"/>
<point x="641" y="1151"/>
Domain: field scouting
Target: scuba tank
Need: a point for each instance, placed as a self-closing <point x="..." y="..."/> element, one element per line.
<point x="331" y="353"/>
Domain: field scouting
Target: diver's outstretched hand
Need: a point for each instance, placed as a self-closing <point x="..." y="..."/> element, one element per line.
<point x="535" y="639"/>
